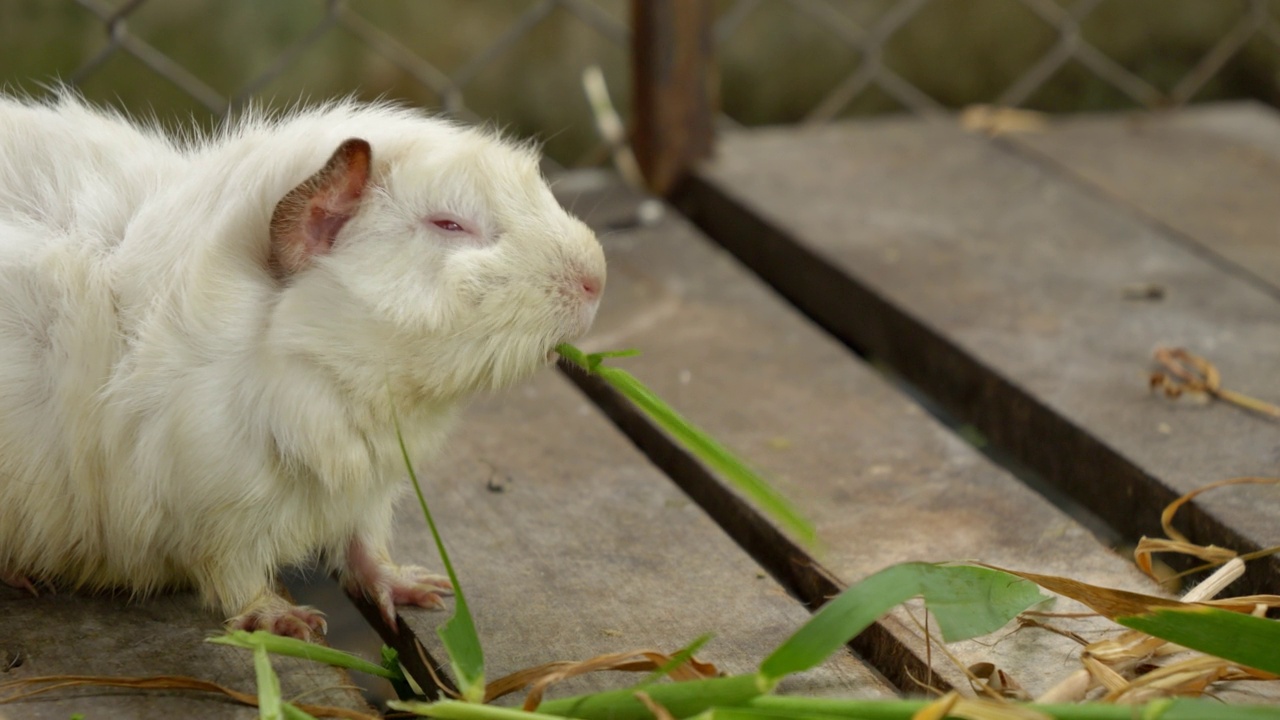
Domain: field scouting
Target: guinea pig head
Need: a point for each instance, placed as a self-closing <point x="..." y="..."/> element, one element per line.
<point x="444" y="261"/>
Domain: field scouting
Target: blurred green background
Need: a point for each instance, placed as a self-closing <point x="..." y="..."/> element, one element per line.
<point x="518" y="63"/>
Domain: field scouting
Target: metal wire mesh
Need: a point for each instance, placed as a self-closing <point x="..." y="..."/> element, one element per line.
<point x="1256" y="19"/>
<point x="877" y="55"/>
<point x="337" y="16"/>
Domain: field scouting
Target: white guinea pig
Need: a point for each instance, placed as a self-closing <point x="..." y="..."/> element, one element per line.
<point x="205" y="343"/>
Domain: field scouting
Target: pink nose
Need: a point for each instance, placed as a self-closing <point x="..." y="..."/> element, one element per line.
<point x="592" y="286"/>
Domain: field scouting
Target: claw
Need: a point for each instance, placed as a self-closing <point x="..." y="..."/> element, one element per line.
<point x="387" y="585"/>
<point x="275" y="615"/>
<point x="22" y="582"/>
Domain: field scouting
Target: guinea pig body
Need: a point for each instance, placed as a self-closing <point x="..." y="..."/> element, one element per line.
<point x="206" y="345"/>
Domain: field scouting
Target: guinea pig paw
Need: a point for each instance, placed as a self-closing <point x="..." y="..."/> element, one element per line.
<point x="421" y="576"/>
<point x="295" y="621"/>
<point x="19" y="581"/>
<point x="405" y="585"/>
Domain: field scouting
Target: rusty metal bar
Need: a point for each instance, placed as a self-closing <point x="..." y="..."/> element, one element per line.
<point x="674" y="87"/>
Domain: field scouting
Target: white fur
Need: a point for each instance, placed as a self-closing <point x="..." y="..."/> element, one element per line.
<point x="171" y="414"/>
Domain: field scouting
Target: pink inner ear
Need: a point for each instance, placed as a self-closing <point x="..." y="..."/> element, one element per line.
<point x="307" y="221"/>
<point x="321" y="229"/>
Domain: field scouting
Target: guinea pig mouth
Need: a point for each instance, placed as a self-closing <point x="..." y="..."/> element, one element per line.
<point x="552" y="355"/>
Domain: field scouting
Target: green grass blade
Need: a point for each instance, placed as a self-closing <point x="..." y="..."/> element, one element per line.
<point x="391" y="663"/>
<point x="965" y="600"/>
<point x="697" y="441"/>
<point x="710" y="451"/>
<point x="574" y="355"/>
<point x="740" y="698"/>
<point x="458" y="633"/>
<point x="293" y="712"/>
<point x="750" y="713"/>
<point x="269" y="701"/>
<point x="786" y="707"/>
<point x="278" y="645"/>
<point x="1233" y="636"/>
<point x="790" y="706"/>
<point x="683" y="699"/>
<point x="1196" y="709"/>
<point x="454" y="710"/>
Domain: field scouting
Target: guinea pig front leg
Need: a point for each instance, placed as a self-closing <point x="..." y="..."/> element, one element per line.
<point x="369" y="572"/>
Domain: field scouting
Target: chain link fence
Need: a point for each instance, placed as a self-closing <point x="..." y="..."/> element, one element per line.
<point x="1199" y="41"/>
<point x="519" y="63"/>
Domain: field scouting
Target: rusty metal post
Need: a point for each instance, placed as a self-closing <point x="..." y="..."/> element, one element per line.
<point x="673" y="87"/>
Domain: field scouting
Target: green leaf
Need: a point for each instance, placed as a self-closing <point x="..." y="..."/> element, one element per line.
<point x="1240" y="638"/>
<point x="887" y="710"/>
<point x="391" y="663"/>
<point x="293" y="712"/>
<point x="292" y="647"/>
<point x="747" y="703"/>
<point x="574" y="355"/>
<point x="1189" y="709"/>
<point x="454" y="710"/>
<point x="269" y="701"/>
<point x="966" y="601"/>
<point x="594" y="359"/>
<point x="458" y="633"/>
<point x="703" y="446"/>
<point x="683" y="699"/>
<point x="786" y="707"/>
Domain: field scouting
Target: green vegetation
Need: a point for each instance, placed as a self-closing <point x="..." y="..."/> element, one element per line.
<point x="966" y="601"/>
<point x="706" y="448"/>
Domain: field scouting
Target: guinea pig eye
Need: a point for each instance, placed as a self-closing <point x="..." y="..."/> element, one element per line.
<point x="449" y="225"/>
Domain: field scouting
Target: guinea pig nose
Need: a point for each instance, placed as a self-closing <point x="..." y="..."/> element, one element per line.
<point x="592" y="286"/>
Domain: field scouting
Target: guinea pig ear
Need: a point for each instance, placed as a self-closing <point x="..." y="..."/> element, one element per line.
<point x="307" y="220"/>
